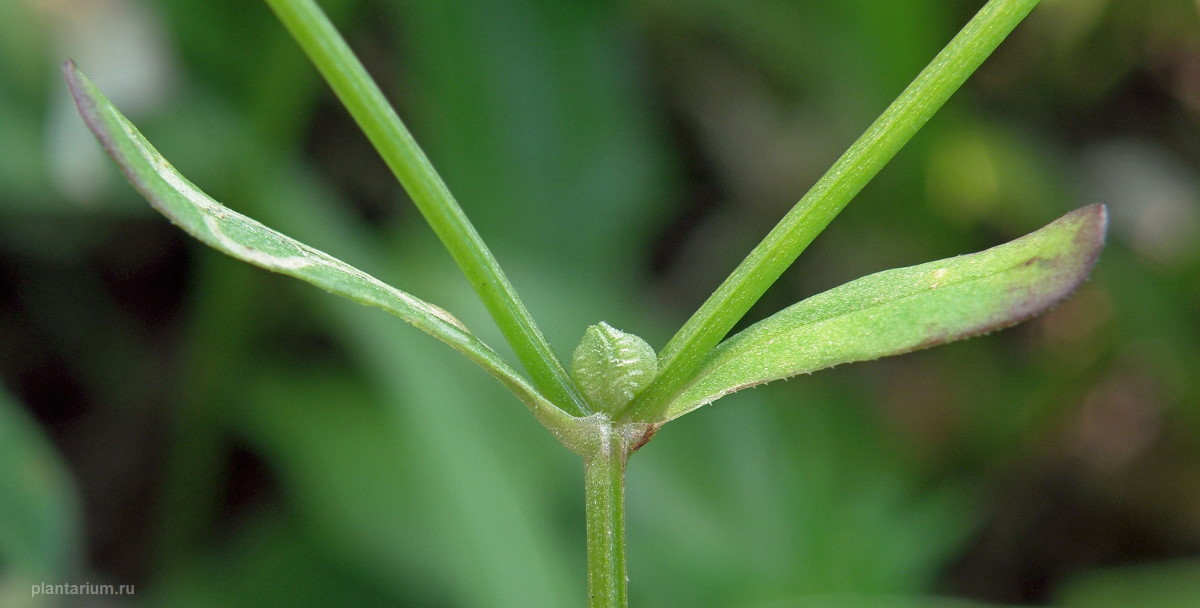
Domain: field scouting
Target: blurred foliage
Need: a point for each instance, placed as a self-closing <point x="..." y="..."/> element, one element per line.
<point x="235" y="439"/>
<point x="38" y="520"/>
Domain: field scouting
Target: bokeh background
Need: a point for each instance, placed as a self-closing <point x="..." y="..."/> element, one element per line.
<point x="221" y="437"/>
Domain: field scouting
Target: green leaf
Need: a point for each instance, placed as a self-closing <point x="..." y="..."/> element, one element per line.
<point x="612" y="366"/>
<point x="686" y="353"/>
<point x="906" y="309"/>
<point x="246" y="239"/>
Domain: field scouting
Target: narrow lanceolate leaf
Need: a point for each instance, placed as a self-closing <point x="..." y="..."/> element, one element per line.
<point x="245" y="239"/>
<point x="906" y="309"/>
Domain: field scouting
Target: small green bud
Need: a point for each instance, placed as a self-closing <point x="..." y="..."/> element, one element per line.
<point x="612" y="366"/>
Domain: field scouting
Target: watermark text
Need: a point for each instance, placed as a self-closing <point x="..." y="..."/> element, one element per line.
<point x="80" y="589"/>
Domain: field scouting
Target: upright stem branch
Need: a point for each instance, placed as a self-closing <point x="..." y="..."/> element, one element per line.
<point x="685" y="353"/>
<point x="604" y="490"/>
<point x="375" y="116"/>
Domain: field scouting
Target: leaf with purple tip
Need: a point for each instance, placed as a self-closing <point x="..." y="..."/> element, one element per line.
<point x="248" y="240"/>
<point x="906" y="309"/>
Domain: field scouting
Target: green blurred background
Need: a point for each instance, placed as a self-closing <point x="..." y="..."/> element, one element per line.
<point x="224" y="437"/>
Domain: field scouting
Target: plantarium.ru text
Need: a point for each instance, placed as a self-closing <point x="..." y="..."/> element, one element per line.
<point x="617" y="391"/>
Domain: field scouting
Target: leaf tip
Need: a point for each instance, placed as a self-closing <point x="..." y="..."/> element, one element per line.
<point x="1090" y="229"/>
<point x="75" y="80"/>
<point x="84" y="94"/>
<point x="1066" y="267"/>
<point x="1094" y="232"/>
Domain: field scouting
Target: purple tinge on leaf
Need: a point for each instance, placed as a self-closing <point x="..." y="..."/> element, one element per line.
<point x="250" y="241"/>
<point x="906" y="309"/>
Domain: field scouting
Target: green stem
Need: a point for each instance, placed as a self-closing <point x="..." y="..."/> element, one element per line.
<point x="604" y="491"/>
<point x="683" y="356"/>
<point x="375" y="116"/>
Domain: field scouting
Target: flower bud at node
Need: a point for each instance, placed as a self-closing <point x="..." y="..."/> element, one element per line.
<point x="612" y="367"/>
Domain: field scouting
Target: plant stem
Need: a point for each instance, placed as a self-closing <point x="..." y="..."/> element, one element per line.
<point x="604" y="491"/>
<point x="376" y="117"/>
<point x="683" y="356"/>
